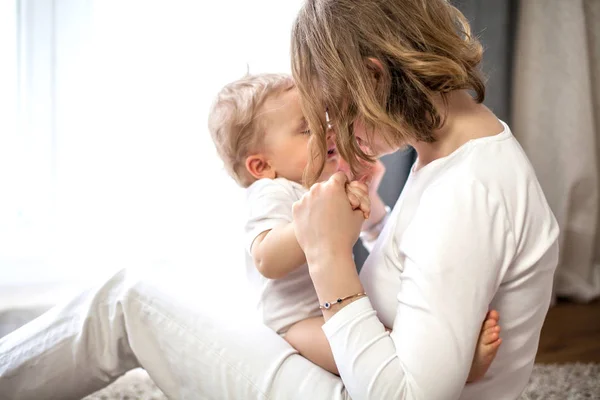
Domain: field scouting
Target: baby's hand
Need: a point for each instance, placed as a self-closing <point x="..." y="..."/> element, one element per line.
<point x="358" y="195"/>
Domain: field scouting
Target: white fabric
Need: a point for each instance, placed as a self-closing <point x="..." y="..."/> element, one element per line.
<point x="192" y="347"/>
<point x="368" y="241"/>
<point x="556" y="117"/>
<point x="470" y="230"/>
<point x="280" y="302"/>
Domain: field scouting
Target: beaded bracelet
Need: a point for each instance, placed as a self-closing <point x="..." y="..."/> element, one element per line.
<point x="327" y="305"/>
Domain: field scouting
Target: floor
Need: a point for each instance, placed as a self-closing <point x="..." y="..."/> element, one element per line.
<point x="571" y="333"/>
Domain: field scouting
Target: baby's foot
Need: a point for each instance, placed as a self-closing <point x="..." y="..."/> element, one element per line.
<point x="487" y="346"/>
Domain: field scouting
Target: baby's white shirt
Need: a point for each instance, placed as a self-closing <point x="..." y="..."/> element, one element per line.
<point x="280" y="302"/>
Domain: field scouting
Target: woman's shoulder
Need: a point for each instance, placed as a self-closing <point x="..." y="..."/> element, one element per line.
<point x="497" y="162"/>
<point x="497" y="172"/>
<point x="493" y="169"/>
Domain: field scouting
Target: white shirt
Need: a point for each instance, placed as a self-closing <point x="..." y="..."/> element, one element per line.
<point x="470" y="230"/>
<point x="280" y="302"/>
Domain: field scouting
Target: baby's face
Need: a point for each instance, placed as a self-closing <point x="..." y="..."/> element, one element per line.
<point x="287" y="138"/>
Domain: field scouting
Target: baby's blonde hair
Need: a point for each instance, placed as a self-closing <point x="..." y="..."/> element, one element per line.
<point x="234" y="121"/>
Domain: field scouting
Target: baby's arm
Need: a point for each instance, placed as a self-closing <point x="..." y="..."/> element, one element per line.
<point x="276" y="252"/>
<point x="309" y="339"/>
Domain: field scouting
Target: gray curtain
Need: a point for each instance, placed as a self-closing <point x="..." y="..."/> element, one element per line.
<point x="494" y="22"/>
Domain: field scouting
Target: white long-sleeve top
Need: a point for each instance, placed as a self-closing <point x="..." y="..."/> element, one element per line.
<point x="471" y="231"/>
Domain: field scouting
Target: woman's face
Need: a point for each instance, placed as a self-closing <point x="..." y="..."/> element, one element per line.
<point x="371" y="141"/>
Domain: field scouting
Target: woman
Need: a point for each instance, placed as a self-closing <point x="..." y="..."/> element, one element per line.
<point x="472" y="227"/>
<point x="471" y="230"/>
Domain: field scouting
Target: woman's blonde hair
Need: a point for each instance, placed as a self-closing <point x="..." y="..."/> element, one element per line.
<point x="424" y="48"/>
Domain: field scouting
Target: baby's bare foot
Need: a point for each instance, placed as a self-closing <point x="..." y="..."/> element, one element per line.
<point x="487" y="347"/>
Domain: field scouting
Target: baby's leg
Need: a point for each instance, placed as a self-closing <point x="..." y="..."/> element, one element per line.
<point x="309" y="339"/>
<point x="487" y="347"/>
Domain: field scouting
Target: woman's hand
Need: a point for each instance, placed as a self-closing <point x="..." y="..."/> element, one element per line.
<point x="325" y="222"/>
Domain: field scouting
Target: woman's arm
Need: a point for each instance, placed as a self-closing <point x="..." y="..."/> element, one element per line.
<point x="455" y="253"/>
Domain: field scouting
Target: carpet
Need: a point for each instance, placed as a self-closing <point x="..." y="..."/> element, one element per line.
<point x="548" y="382"/>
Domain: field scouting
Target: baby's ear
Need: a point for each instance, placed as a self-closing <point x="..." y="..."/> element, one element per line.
<point x="259" y="167"/>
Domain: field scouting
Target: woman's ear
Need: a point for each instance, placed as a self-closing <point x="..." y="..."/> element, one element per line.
<point x="259" y="167"/>
<point x="375" y="66"/>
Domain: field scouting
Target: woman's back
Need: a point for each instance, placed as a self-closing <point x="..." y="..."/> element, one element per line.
<point x="487" y="196"/>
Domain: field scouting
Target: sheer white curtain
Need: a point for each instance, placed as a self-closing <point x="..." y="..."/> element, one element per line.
<point x="556" y="118"/>
<point x="110" y="163"/>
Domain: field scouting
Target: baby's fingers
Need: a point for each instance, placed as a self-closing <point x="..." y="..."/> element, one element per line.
<point x="354" y="200"/>
<point x="361" y="186"/>
<point x="364" y="204"/>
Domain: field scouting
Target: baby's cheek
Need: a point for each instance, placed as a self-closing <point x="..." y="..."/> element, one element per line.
<point x="303" y="163"/>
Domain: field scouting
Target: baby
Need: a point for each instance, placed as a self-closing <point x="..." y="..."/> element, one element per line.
<point x="262" y="137"/>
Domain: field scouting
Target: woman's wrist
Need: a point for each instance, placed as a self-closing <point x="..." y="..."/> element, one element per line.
<point x="328" y="257"/>
<point x="334" y="276"/>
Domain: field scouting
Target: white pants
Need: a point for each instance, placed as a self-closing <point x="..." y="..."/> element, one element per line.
<point x="192" y="351"/>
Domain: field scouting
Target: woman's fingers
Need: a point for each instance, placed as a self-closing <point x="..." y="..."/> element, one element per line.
<point x="339" y="178"/>
<point x="358" y="193"/>
<point x="322" y="223"/>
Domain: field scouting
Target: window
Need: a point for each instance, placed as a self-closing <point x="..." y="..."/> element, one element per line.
<point x="105" y="159"/>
